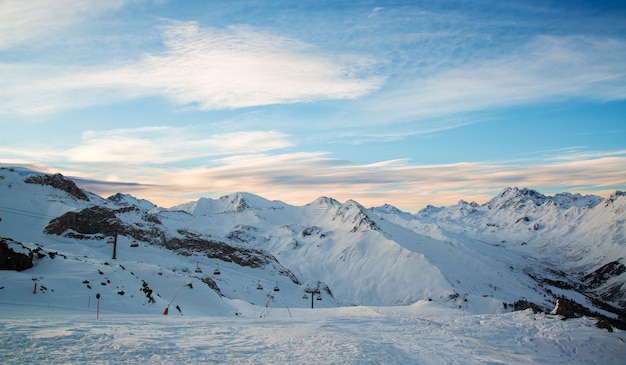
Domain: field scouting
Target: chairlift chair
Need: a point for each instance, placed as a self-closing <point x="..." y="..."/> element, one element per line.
<point x="276" y="288"/>
<point x="304" y="296"/>
<point x="134" y="244"/>
<point x="111" y="240"/>
<point x="319" y="297"/>
<point x="198" y="269"/>
<point x="217" y="271"/>
<point x="259" y="286"/>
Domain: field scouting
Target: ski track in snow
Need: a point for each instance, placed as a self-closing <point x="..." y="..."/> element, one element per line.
<point x="420" y="334"/>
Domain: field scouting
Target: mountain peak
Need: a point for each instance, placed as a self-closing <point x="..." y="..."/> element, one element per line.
<point x="567" y="200"/>
<point x="355" y="214"/>
<point x="128" y="199"/>
<point x="237" y="202"/>
<point x="616" y="196"/>
<point x="388" y="208"/>
<point x="241" y="201"/>
<point x="324" y="200"/>
<point x="516" y="198"/>
<point x="232" y="203"/>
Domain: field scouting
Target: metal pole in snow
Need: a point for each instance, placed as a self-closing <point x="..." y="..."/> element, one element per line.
<point x="312" y="292"/>
<point x="267" y="304"/>
<point x="98" y="306"/>
<point x="115" y="247"/>
<point x="166" y="311"/>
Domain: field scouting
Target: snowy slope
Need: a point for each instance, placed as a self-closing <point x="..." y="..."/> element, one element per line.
<point x="562" y="238"/>
<point x="77" y="264"/>
<point x="419" y="334"/>
<point x="328" y="242"/>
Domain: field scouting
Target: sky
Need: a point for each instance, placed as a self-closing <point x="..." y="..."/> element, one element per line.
<point x="408" y="103"/>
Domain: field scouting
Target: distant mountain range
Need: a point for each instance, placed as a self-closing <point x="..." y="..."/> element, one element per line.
<point x="522" y="248"/>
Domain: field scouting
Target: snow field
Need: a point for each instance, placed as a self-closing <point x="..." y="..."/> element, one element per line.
<point x="420" y="334"/>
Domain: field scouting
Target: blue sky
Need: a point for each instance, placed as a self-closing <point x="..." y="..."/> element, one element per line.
<point x="401" y="102"/>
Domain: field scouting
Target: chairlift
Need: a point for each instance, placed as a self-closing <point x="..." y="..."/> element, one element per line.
<point x="276" y="288"/>
<point x="198" y="269"/>
<point x="304" y="296"/>
<point x="319" y="297"/>
<point x="217" y="271"/>
<point x="259" y="286"/>
<point x="134" y="244"/>
<point x="111" y="240"/>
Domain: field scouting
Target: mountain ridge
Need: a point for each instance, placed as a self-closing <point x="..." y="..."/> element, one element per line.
<point x="476" y="257"/>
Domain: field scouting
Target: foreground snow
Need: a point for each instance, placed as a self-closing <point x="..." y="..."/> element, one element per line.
<point x="423" y="333"/>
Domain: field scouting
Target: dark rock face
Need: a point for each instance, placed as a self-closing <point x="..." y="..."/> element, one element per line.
<point x="60" y="182"/>
<point x="309" y="231"/>
<point x="212" y="284"/>
<point x="605" y="324"/>
<point x="103" y="222"/>
<point x="242" y="256"/>
<point x="11" y="260"/>
<point x="603" y="274"/>
<point x="88" y="221"/>
<point x="568" y="309"/>
<point x="523" y="304"/>
<point x="598" y="281"/>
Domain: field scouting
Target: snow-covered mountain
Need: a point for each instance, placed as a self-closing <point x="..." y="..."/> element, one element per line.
<point x="576" y="242"/>
<point x="520" y="248"/>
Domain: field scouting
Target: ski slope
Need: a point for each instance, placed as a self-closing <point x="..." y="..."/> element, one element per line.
<point x="423" y="333"/>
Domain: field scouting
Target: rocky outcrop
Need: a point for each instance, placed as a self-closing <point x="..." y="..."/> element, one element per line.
<point x="103" y="222"/>
<point x="242" y="256"/>
<point x="88" y="221"/>
<point x="12" y="260"/>
<point x="60" y="182"/>
<point x="603" y="274"/>
<point x="604" y="283"/>
<point x="568" y="308"/>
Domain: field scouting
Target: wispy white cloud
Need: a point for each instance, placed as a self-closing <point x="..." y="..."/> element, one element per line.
<point x="240" y="67"/>
<point x="139" y="154"/>
<point x="580" y="154"/>
<point x="33" y="20"/>
<point x="299" y="178"/>
<point x="150" y="163"/>
<point x="548" y="68"/>
<point x="203" y="67"/>
<point x="161" y="145"/>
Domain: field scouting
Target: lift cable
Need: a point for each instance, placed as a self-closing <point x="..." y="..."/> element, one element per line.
<point x="25" y="213"/>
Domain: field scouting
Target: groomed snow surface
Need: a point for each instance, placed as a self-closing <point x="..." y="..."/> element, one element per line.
<point x="424" y="333"/>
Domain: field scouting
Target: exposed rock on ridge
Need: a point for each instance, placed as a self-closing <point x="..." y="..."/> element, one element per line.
<point x="60" y="182"/>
